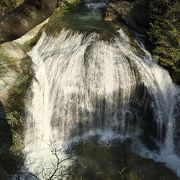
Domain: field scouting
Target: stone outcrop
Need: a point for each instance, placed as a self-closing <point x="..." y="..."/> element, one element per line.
<point x="11" y="56"/>
<point x="116" y="161"/>
<point x="14" y="80"/>
<point x="22" y="19"/>
<point x="133" y="14"/>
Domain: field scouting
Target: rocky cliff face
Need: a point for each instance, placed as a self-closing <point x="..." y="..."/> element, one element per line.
<point x="159" y="22"/>
<point x="133" y="14"/>
<point x="15" y="78"/>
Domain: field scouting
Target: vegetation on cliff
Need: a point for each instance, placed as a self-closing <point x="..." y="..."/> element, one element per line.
<point x="55" y="23"/>
<point x="8" y="5"/>
<point x="12" y="98"/>
<point x="165" y="33"/>
<point x="25" y="17"/>
<point x="159" y="20"/>
<point x="15" y="105"/>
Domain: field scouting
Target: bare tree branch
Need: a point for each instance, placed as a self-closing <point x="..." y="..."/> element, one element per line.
<point x="55" y="171"/>
<point x="58" y="164"/>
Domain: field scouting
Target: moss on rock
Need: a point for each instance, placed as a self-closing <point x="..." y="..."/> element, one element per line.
<point x="8" y="5"/>
<point x="55" y="24"/>
<point x="161" y="23"/>
<point x="12" y="98"/>
<point x="15" y="105"/>
<point x="114" y="161"/>
<point x="11" y="158"/>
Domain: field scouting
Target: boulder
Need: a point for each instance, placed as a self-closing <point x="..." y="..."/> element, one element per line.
<point x="133" y="14"/>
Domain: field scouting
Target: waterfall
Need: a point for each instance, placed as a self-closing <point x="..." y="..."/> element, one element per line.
<point x="85" y="86"/>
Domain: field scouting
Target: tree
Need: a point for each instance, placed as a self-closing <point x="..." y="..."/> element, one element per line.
<point x="22" y="19"/>
<point x="57" y="169"/>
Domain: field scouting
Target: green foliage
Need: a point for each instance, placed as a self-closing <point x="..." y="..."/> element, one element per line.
<point x="15" y="105"/>
<point x="17" y="92"/>
<point x="8" y="5"/>
<point x="165" y="32"/>
<point x="11" y="159"/>
<point x="15" y="120"/>
<point x="55" y="24"/>
<point x="5" y="63"/>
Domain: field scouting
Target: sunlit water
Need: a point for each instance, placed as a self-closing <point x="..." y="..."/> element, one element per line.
<point x="84" y="86"/>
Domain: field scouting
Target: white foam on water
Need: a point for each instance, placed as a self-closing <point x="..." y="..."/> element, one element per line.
<point x="83" y="87"/>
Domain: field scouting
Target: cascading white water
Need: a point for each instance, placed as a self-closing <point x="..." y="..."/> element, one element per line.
<point x="85" y="86"/>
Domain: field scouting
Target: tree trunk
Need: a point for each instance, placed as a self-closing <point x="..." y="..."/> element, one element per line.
<point x="23" y="18"/>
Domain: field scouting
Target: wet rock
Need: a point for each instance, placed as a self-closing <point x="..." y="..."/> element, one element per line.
<point x="24" y="18"/>
<point x="133" y="14"/>
<point x="115" y="162"/>
<point x="12" y="49"/>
